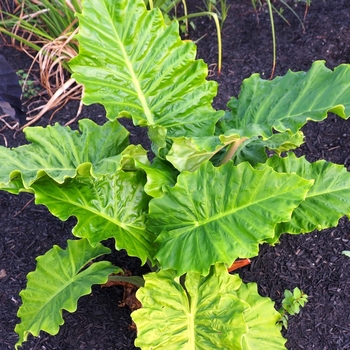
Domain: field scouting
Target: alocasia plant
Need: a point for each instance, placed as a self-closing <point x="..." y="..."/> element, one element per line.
<point x="211" y="194"/>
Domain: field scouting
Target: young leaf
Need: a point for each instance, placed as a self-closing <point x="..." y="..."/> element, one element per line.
<point x="288" y="102"/>
<point x="60" y="152"/>
<point x="189" y="153"/>
<point x="283" y="142"/>
<point x="159" y="174"/>
<point x="291" y="304"/>
<point x="57" y="283"/>
<point x="252" y="151"/>
<point x="206" y="314"/>
<point x="131" y="57"/>
<point x="111" y="206"/>
<point x="126" y="160"/>
<point x="220" y="214"/>
<point x="297" y="293"/>
<point x="326" y="202"/>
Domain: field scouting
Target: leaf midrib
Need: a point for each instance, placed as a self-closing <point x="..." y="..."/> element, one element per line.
<point x="237" y="209"/>
<point x="134" y="79"/>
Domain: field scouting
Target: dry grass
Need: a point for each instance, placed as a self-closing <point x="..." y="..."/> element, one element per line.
<point x="51" y="56"/>
<point x="57" y="84"/>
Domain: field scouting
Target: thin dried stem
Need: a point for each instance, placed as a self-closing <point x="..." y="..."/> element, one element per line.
<point x="12" y="127"/>
<point x="5" y="140"/>
<point x="59" y="98"/>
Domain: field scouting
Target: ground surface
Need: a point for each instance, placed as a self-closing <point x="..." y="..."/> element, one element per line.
<point x="313" y="262"/>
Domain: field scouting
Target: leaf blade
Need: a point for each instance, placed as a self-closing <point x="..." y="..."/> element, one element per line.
<point x="112" y="206"/>
<point x="145" y="62"/>
<point x="220" y="214"/>
<point x="57" y="283"/>
<point x="261" y="320"/>
<point x="204" y="315"/>
<point x="60" y="152"/>
<point x="326" y="202"/>
<point x="286" y="103"/>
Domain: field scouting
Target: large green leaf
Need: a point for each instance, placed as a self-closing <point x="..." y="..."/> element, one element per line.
<point x="286" y="103"/>
<point x="110" y="206"/>
<point x="59" y="152"/>
<point x="59" y="280"/>
<point x="217" y="311"/>
<point x="220" y="214"/>
<point x="326" y="202"/>
<point x="261" y="320"/>
<point x="204" y="315"/>
<point x="136" y="66"/>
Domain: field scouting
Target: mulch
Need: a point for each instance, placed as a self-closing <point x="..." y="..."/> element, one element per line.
<point x="313" y="262"/>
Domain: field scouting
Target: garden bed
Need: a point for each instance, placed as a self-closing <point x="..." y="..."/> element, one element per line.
<point x="313" y="262"/>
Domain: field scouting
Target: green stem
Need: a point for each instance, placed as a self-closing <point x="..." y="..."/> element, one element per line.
<point x="280" y="14"/>
<point x="218" y="30"/>
<point x="186" y="14"/>
<point x="295" y="14"/>
<point x="154" y="268"/>
<point x="273" y="39"/>
<point x="232" y="150"/>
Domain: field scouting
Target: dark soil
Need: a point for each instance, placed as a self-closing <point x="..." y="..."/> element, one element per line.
<point x="313" y="262"/>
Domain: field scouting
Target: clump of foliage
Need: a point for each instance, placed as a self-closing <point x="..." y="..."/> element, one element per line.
<point x="217" y="6"/>
<point x="291" y="304"/>
<point x="210" y="195"/>
<point x="30" y="87"/>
